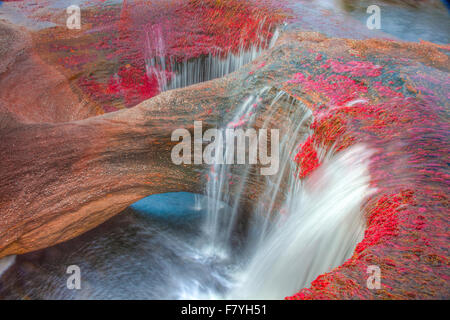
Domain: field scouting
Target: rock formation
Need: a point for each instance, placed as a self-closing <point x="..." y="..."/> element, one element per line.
<point x="61" y="176"/>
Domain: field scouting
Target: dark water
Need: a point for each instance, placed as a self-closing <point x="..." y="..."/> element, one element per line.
<point x="136" y="255"/>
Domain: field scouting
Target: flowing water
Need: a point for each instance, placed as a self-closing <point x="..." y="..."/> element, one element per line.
<point x="318" y="220"/>
<point x="319" y="231"/>
<point x="184" y="246"/>
<point x="172" y="74"/>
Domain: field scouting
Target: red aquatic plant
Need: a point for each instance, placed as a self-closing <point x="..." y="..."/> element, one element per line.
<point x="306" y="158"/>
<point x="134" y="32"/>
<point x="403" y="121"/>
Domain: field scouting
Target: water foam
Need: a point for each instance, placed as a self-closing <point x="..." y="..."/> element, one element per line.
<point x="323" y="224"/>
<point x="6" y="263"/>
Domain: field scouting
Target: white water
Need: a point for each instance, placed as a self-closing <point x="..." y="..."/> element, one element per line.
<point x="5" y="263"/>
<point x="298" y="229"/>
<point x="171" y="74"/>
<point x="321" y="227"/>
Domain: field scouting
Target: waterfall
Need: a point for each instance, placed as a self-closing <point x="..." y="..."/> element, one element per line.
<point x="220" y="221"/>
<point x="211" y="67"/>
<point x="250" y="237"/>
<point x="290" y="232"/>
<point x="156" y="52"/>
<point x="297" y="229"/>
<point x="197" y="202"/>
<point x="172" y="74"/>
<point x="319" y="231"/>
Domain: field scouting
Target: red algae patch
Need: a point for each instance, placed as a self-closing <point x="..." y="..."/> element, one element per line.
<point x="372" y="100"/>
<point x="306" y="158"/>
<point x="108" y="58"/>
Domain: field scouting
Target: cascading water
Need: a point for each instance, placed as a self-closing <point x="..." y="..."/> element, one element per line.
<point x="5" y="263"/>
<point x="253" y="236"/>
<point x="296" y="230"/>
<point x="173" y="74"/>
<point x="299" y="229"/>
<point x="219" y="224"/>
<point x="319" y="231"/>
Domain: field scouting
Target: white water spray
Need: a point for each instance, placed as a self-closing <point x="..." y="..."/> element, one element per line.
<point x="319" y="231"/>
<point x="289" y="233"/>
<point x="298" y="229"/>
<point x="172" y="74"/>
<point x="295" y="231"/>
